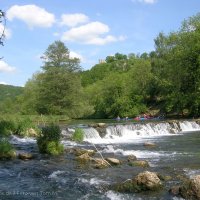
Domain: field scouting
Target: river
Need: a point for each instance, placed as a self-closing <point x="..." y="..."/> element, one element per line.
<point x="176" y="154"/>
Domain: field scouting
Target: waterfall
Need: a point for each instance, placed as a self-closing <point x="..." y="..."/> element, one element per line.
<point x="132" y="131"/>
<point x="126" y="132"/>
<point x="91" y="133"/>
<point x="189" y="126"/>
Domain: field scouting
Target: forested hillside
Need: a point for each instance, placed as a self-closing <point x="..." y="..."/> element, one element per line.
<point x="9" y="91"/>
<point x="166" y="80"/>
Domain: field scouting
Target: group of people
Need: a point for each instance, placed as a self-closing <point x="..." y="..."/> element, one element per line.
<point x="118" y="118"/>
<point x="141" y="117"/>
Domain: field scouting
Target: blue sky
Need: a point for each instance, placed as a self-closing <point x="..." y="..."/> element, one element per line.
<point x="90" y="29"/>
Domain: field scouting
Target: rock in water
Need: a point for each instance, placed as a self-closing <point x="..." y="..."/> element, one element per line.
<point x="191" y="188"/>
<point x="113" y="161"/>
<point x="139" y="163"/>
<point x="149" y="144"/>
<point x="148" y="180"/>
<point x="142" y="182"/>
<point x="25" y="156"/>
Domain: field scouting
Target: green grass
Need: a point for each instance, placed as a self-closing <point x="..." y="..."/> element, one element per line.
<point x="6" y="149"/>
<point x="49" y="140"/>
<point x="78" y="135"/>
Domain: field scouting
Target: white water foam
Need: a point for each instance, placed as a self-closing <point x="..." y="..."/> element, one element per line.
<point x="139" y="153"/>
<point x="55" y="174"/>
<point x="91" y="133"/>
<point x="92" y="181"/>
<point x="68" y="143"/>
<point x="189" y="126"/>
<point x="17" y="140"/>
<point x="191" y="173"/>
<point x="134" y="132"/>
<point x="178" y="198"/>
<point x="115" y="196"/>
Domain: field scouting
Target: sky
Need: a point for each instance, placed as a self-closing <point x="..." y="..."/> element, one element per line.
<point x="90" y="29"/>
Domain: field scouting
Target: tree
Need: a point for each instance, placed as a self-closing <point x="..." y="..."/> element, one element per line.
<point x="57" y="89"/>
<point x="2" y="20"/>
<point x="176" y="68"/>
<point x="58" y="55"/>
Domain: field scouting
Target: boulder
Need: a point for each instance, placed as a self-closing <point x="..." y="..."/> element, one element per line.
<point x="142" y="182"/>
<point x="113" y="161"/>
<point x="100" y="163"/>
<point x="191" y="188"/>
<point x="148" y="180"/>
<point x="131" y="158"/>
<point x="25" y="156"/>
<point x="83" y="158"/>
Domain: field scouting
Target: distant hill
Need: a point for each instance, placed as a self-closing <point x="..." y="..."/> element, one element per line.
<point x="9" y="91"/>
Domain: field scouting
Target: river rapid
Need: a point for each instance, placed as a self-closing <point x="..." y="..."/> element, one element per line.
<point x="176" y="154"/>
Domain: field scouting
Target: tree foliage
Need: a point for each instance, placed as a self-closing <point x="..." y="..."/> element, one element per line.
<point x="2" y="20"/>
<point x="57" y="89"/>
<point x="166" y="80"/>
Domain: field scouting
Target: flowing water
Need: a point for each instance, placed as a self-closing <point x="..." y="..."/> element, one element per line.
<point x="176" y="154"/>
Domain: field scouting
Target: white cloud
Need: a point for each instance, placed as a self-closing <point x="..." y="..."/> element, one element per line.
<point x="72" y="20"/>
<point x="4" y="83"/>
<point x="145" y="1"/>
<point x="7" y="32"/>
<point x="4" y="67"/>
<point x="32" y="15"/>
<point x="73" y="54"/>
<point x="90" y="34"/>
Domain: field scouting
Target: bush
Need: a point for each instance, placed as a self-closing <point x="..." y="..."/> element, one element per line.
<point x="54" y="148"/>
<point x="19" y="127"/>
<point x="6" y="149"/>
<point x="23" y="126"/>
<point x="49" y="140"/>
<point x="6" y="128"/>
<point x="78" y="135"/>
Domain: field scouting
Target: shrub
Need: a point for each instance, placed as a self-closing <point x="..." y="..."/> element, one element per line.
<point x="49" y="140"/>
<point x="6" y="128"/>
<point x="23" y="126"/>
<point x="54" y="148"/>
<point x="20" y="126"/>
<point x="6" y="149"/>
<point x="78" y="135"/>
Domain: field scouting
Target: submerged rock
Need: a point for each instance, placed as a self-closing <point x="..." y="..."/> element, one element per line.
<point x="189" y="190"/>
<point x="175" y="190"/>
<point x="100" y="163"/>
<point x="78" y="151"/>
<point x="83" y="158"/>
<point x="142" y="182"/>
<point x="131" y="158"/>
<point x="25" y="156"/>
<point x="139" y="163"/>
<point x="149" y="144"/>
